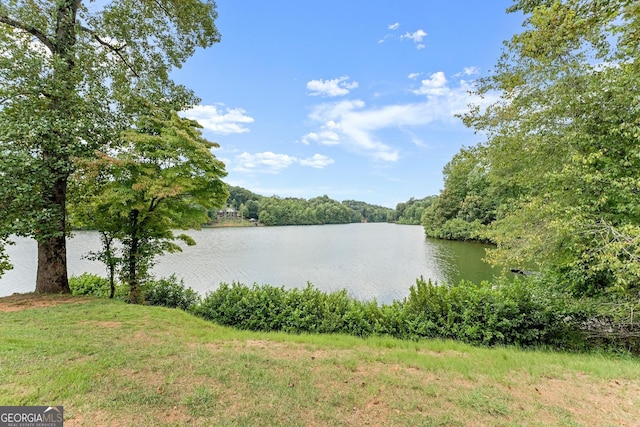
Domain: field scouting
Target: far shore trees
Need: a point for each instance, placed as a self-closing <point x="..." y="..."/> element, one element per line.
<point x="69" y="70"/>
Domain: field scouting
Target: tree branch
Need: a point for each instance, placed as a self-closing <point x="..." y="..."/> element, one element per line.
<point x="31" y="30"/>
<point x="155" y="201"/>
<point x="115" y="49"/>
<point x="164" y="9"/>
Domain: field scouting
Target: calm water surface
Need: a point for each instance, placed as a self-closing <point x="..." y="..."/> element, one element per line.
<point x="377" y="260"/>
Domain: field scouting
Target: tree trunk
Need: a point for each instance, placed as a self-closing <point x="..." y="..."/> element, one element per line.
<point x="112" y="282"/>
<point x="135" y="296"/>
<point x="52" y="266"/>
<point x="52" y="252"/>
<point x="108" y="257"/>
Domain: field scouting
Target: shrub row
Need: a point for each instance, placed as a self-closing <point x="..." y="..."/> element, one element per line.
<point x="501" y="313"/>
<point x="169" y="292"/>
<point x="270" y="308"/>
<point x="485" y="313"/>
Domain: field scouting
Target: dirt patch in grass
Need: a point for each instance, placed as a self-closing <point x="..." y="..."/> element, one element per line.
<point x="281" y="350"/>
<point x="580" y="398"/>
<point x="103" y="324"/>
<point x="447" y="353"/>
<point x="18" y="302"/>
<point x="386" y="393"/>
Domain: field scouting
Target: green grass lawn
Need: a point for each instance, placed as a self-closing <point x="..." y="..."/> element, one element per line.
<point x="111" y="364"/>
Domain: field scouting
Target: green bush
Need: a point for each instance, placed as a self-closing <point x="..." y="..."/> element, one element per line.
<point x="89" y="284"/>
<point x="308" y="310"/>
<point x="501" y="313"/>
<point x="94" y="285"/>
<point x="535" y="311"/>
<point x="169" y="292"/>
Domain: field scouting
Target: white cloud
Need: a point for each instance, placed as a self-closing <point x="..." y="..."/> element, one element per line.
<point x="468" y="71"/>
<point x="220" y="119"/>
<point x="391" y="27"/>
<point x="357" y="127"/>
<point x="436" y="84"/>
<point x="324" y="137"/>
<point x="317" y="161"/>
<point x="413" y="76"/>
<point x="334" y="87"/>
<point x="416" y="36"/>
<point x="353" y="127"/>
<point x="269" y="162"/>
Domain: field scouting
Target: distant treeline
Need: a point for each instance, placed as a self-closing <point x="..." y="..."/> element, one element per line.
<point x="276" y="210"/>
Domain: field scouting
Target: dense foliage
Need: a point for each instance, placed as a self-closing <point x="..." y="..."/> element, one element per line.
<point x="276" y="210"/>
<point x="165" y="291"/>
<point x="89" y="284"/>
<point x="294" y="211"/>
<point x="368" y="212"/>
<point x="71" y="73"/>
<point x="555" y="185"/>
<point x="468" y="202"/>
<point x="410" y="212"/>
<point x="532" y="312"/>
<point x="170" y="292"/>
<point x="161" y="176"/>
<point x="245" y="201"/>
<point x="485" y="313"/>
<point x="566" y="136"/>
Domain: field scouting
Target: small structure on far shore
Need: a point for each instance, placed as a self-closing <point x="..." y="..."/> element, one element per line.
<point x="229" y="213"/>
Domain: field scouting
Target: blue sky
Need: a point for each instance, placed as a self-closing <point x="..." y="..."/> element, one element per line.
<point x="354" y="99"/>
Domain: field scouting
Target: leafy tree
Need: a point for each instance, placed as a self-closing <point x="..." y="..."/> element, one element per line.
<point x="245" y="201"/>
<point x="466" y="204"/>
<point x="410" y="212"/>
<point x="162" y="177"/>
<point x="251" y="209"/>
<point x="4" y="258"/>
<point x="239" y="196"/>
<point x="329" y="211"/>
<point x="69" y="70"/>
<point x="563" y="141"/>
<point x="296" y="211"/>
<point x="368" y="212"/>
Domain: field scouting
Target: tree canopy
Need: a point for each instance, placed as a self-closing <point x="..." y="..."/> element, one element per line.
<point x="161" y="176"/>
<point x="563" y="142"/>
<point x="467" y="203"/>
<point x="72" y="74"/>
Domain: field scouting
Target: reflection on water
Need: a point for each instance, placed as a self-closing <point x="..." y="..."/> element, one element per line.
<point x="462" y="261"/>
<point x="378" y="261"/>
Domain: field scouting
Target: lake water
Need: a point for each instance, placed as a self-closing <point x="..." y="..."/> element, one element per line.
<point x="375" y="260"/>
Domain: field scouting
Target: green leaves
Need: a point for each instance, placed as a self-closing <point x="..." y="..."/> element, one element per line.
<point x="563" y="142"/>
<point x="162" y="177"/>
<point x="466" y="204"/>
<point x="485" y="313"/>
<point x="73" y="75"/>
